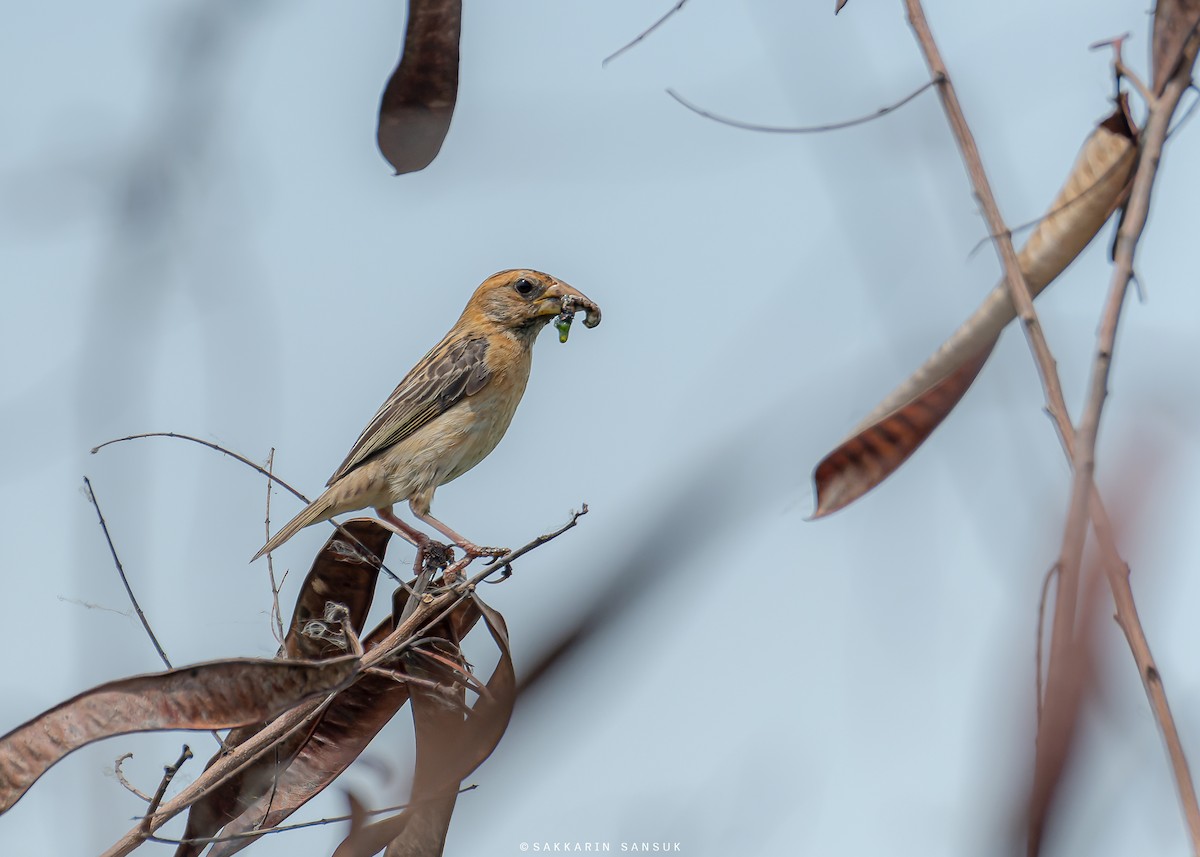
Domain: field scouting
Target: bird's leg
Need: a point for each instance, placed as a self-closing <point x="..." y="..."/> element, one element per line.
<point x="427" y="548"/>
<point x="411" y="534"/>
<point x="469" y="547"/>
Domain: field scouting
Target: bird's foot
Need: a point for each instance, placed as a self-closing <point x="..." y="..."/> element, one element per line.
<point x="437" y="555"/>
<point x="474" y="550"/>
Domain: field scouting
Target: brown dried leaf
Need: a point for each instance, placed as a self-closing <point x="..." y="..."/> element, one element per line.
<point x="864" y="460"/>
<point x="345" y="572"/>
<point x="1096" y="186"/>
<point x="418" y="103"/>
<point x="449" y="749"/>
<point x="347" y="727"/>
<point x="216" y="695"/>
<point x="1175" y="22"/>
<point x="420" y="831"/>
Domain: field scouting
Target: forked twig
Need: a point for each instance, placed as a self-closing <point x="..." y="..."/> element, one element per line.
<point x="169" y="772"/>
<point x="1066" y="600"/>
<point x="429" y="612"/>
<point x="1083" y="489"/>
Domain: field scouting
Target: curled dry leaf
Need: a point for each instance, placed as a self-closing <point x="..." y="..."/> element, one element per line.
<point x="345" y="572"/>
<point x="418" y="103"/>
<point x="1096" y="186"/>
<point x="347" y="727"/>
<point x="449" y="749"/>
<point x="216" y="695"/>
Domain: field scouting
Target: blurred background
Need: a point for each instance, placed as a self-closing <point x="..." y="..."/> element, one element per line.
<point x="198" y="235"/>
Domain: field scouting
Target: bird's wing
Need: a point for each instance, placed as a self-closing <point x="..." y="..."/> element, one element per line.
<point x="454" y="369"/>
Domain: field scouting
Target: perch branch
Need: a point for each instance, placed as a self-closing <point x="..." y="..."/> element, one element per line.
<point x="431" y="610"/>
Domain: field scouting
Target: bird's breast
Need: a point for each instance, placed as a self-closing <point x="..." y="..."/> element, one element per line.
<point x="463" y="435"/>
<point x="485" y="417"/>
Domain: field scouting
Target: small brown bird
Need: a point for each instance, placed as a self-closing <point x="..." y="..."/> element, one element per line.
<point x="451" y="410"/>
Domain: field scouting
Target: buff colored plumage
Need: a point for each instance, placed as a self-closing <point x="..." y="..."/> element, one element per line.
<point x="450" y="411"/>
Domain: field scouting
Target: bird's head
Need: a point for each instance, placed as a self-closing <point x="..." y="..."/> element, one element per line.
<point x="524" y="301"/>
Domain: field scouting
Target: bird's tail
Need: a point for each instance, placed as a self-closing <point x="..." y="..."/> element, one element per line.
<point x="320" y="509"/>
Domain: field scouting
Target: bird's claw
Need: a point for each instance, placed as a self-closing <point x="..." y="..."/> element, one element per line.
<point x="473" y="551"/>
<point x="438" y="555"/>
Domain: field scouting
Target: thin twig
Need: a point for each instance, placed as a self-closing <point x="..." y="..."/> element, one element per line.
<point x="1122" y="70"/>
<point x="284" y="828"/>
<point x="91" y="495"/>
<point x="253" y="466"/>
<point x="803" y="129"/>
<point x="1100" y="181"/>
<point x="210" y="445"/>
<point x="1041" y="634"/>
<point x="431" y="610"/>
<point x="276" y="613"/>
<point x="169" y="772"/>
<point x="402" y="678"/>
<point x="501" y="562"/>
<point x="461" y="674"/>
<point x="121" y="777"/>
<point x="1187" y="114"/>
<point x="129" y="589"/>
<point x="679" y="5"/>
<point x="1084" y="458"/>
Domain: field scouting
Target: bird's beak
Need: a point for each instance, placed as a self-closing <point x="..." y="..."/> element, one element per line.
<point x="561" y="299"/>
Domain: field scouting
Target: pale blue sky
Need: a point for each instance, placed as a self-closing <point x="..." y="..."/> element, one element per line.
<point x="861" y="685"/>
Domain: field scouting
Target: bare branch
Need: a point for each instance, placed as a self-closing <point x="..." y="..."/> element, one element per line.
<point x="809" y="129"/>
<point x="169" y="772"/>
<point x="253" y="466"/>
<point x="1083" y="488"/>
<point x="284" y="828"/>
<point x="504" y="561"/>
<point x="121" y="777"/>
<point x="87" y="483"/>
<point x="276" y="613"/>
<point x="210" y="445"/>
<point x="679" y="5"/>
<point x="1039" y="685"/>
<point x="1099" y="183"/>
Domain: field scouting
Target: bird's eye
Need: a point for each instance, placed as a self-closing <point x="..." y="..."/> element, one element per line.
<point x="524" y="287"/>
